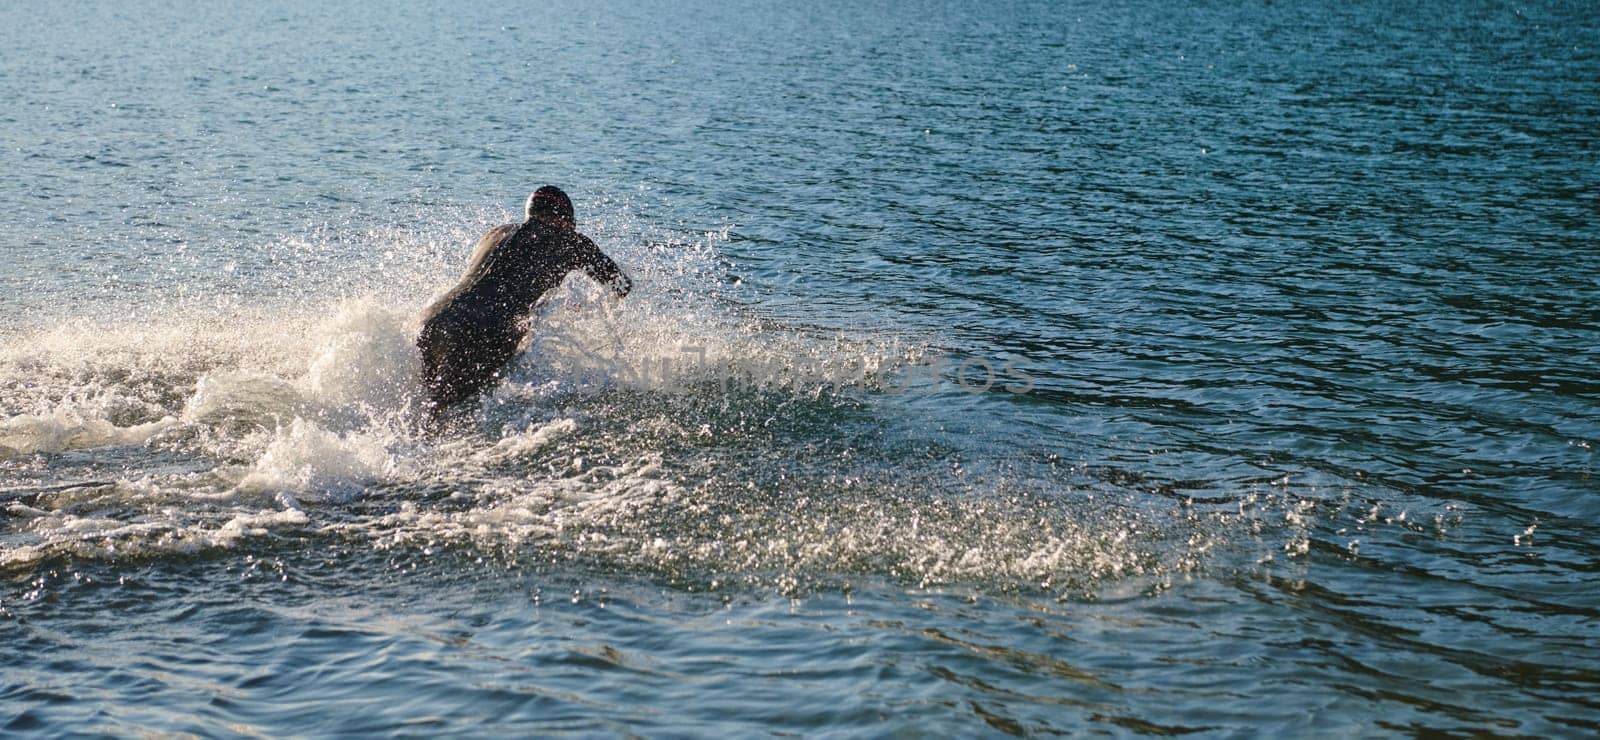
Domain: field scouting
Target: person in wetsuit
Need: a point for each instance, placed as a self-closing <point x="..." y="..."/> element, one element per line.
<point x="470" y="334"/>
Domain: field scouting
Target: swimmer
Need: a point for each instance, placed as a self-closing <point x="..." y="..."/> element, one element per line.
<point x="470" y="334"/>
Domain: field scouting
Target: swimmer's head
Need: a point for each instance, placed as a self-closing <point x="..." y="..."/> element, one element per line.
<point x="550" y="204"/>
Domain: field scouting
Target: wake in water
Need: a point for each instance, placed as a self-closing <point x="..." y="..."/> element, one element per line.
<point x="672" y="434"/>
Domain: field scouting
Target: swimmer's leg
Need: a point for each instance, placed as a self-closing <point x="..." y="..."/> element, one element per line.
<point x="457" y="366"/>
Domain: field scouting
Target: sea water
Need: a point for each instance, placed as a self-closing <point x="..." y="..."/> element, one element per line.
<point x="992" y="368"/>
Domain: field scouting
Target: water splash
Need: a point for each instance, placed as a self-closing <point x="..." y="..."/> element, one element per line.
<point x="672" y="433"/>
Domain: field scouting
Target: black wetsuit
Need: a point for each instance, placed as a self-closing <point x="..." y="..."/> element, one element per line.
<point x="470" y="334"/>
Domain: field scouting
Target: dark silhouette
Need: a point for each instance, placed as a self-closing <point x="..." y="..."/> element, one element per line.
<point x="470" y="334"/>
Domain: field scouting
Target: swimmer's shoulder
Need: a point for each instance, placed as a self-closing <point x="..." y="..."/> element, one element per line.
<point x="450" y="302"/>
<point x="490" y="239"/>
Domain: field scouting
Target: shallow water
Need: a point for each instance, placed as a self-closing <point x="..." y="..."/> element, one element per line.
<point x="1005" y="369"/>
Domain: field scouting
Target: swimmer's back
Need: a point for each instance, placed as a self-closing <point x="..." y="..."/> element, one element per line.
<point x="467" y="292"/>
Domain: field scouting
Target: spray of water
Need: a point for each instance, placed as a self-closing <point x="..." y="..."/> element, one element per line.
<point x="674" y="432"/>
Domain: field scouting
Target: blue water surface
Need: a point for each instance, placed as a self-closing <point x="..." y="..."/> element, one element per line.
<point x="1299" y="301"/>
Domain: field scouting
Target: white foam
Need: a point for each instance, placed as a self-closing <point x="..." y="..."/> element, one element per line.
<point x="366" y="355"/>
<point x="67" y="429"/>
<point x="243" y="396"/>
<point x="530" y="441"/>
<point x="257" y="524"/>
<point x="316" y="464"/>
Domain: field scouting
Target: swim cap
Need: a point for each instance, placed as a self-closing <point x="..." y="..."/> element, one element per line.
<point x="549" y="202"/>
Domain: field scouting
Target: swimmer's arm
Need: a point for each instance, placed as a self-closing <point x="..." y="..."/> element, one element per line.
<point x="604" y="270"/>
